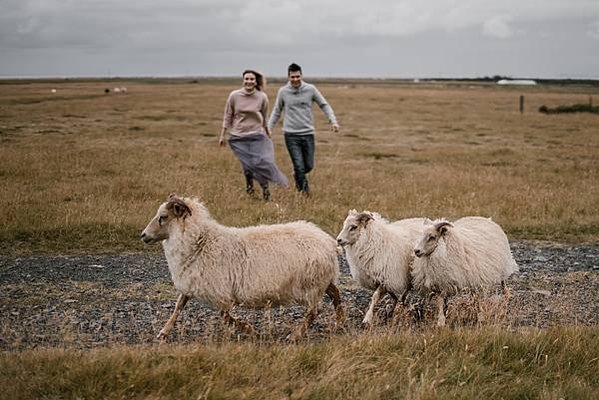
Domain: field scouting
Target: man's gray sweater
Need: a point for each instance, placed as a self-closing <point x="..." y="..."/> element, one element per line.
<point x="297" y="103"/>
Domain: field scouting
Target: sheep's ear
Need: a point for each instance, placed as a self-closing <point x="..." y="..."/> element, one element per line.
<point x="442" y="227"/>
<point x="363" y="218"/>
<point x="171" y="196"/>
<point x="352" y="212"/>
<point x="178" y="207"/>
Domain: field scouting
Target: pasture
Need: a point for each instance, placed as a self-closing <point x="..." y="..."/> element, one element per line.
<point x="83" y="171"/>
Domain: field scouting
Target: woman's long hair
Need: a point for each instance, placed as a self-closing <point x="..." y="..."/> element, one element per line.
<point x="260" y="79"/>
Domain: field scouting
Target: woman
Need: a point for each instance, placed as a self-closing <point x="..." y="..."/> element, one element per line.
<point x="245" y="121"/>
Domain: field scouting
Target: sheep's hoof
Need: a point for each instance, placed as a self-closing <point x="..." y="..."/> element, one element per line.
<point x="340" y="317"/>
<point x="295" y="336"/>
<point x="366" y="325"/>
<point x="162" y="336"/>
<point x="339" y="326"/>
<point x="340" y="320"/>
<point x="247" y="329"/>
<point x="417" y="312"/>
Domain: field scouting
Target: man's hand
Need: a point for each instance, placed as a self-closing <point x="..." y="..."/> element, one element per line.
<point x="335" y="128"/>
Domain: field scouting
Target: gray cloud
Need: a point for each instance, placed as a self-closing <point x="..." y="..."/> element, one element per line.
<point x="336" y="37"/>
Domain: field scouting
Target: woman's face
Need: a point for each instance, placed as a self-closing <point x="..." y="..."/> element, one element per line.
<point x="249" y="81"/>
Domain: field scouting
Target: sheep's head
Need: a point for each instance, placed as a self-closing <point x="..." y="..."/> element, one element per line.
<point x="158" y="228"/>
<point x="353" y="226"/>
<point x="433" y="232"/>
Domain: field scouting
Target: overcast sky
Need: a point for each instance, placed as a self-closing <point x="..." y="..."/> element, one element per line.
<point x="329" y="38"/>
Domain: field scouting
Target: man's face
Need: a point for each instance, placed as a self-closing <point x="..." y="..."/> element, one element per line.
<point x="295" y="78"/>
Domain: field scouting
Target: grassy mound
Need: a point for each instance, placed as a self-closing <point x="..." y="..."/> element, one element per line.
<point x="575" y="108"/>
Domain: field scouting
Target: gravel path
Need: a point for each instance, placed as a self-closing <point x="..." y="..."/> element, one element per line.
<point x="91" y="301"/>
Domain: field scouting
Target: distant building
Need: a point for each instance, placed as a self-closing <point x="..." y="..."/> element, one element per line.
<point x="516" y="82"/>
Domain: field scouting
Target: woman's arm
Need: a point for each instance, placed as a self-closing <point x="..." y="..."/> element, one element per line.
<point x="221" y="139"/>
<point x="264" y="112"/>
<point x="227" y="119"/>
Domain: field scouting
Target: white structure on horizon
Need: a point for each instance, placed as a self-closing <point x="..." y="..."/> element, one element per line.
<point x="516" y="82"/>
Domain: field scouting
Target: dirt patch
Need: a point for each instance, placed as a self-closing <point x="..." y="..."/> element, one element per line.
<point x="91" y="301"/>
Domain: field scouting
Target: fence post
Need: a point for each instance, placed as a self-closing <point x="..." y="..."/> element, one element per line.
<point x="521" y="104"/>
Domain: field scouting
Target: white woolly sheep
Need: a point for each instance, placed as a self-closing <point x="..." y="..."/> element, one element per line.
<point x="472" y="252"/>
<point x="380" y="254"/>
<point x="258" y="266"/>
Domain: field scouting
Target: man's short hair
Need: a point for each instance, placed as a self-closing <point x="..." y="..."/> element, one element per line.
<point x="293" y="67"/>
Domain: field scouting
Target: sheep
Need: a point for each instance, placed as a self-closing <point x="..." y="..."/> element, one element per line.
<point x="258" y="266"/>
<point x="472" y="252"/>
<point x="380" y="254"/>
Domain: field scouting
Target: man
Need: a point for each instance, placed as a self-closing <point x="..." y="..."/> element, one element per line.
<point x="296" y="98"/>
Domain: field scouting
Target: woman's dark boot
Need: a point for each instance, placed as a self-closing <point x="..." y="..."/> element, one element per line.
<point x="265" y="193"/>
<point x="249" y="183"/>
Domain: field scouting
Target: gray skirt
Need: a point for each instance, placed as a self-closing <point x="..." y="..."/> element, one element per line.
<point x="257" y="156"/>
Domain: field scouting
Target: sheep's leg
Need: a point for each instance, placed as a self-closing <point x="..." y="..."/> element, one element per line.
<point x="181" y="301"/>
<point x="391" y="308"/>
<point x="421" y="306"/>
<point x="378" y="293"/>
<point x="242" y="326"/>
<point x="404" y="296"/>
<point x="333" y="293"/>
<point x="300" y="332"/>
<point x="506" y="290"/>
<point x="477" y="303"/>
<point x="441" y="309"/>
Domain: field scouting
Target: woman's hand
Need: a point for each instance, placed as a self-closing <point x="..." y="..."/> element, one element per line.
<point x="221" y="139"/>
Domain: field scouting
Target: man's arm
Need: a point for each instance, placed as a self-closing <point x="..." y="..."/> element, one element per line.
<point x="276" y="111"/>
<point x="326" y="108"/>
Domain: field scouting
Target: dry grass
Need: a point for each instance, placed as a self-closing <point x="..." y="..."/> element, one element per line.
<point x="83" y="171"/>
<point x="488" y="363"/>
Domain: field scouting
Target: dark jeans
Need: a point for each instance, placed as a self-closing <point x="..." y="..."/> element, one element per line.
<point x="301" y="150"/>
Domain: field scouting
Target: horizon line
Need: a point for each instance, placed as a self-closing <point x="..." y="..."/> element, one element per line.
<point x="282" y="77"/>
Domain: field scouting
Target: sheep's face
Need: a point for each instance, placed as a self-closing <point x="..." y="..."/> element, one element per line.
<point x="352" y="227"/>
<point x="433" y="232"/>
<point x="159" y="227"/>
